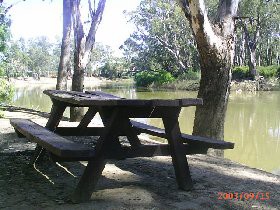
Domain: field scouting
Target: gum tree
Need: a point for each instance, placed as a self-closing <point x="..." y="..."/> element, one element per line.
<point x="83" y="46"/>
<point x="65" y="55"/>
<point x="215" y="44"/>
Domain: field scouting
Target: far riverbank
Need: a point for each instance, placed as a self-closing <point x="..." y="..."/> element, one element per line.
<point x="236" y="85"/>
<point x="47" y="81"/>
<point x="192" y="85"/>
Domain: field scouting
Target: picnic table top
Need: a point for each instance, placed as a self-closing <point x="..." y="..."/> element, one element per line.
<point x="98" y="98"/>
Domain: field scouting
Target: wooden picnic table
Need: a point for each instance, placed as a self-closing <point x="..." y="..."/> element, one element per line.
<point x="116" y="114"/>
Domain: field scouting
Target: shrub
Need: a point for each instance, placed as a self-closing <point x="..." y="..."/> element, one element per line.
<point x="240" y="72"/>
<point x="268" y="71"/>
<point x="278" y="72"/>
<point x="6" y="91"/>
<point x="190" y="75"/>
<point x="146" y="78"/>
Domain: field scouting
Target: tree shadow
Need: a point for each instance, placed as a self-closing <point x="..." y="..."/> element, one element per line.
<point x="50" y="184"/>
<point x="28" y="111"/>
<point x="211" y="177"/>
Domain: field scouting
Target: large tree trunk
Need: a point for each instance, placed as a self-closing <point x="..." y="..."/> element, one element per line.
<point x="64" y="63"/>
<point x="215" y="43"/>
<point x="83" y="48"/>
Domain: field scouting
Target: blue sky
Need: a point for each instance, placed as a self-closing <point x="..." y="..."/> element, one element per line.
<point x="32" y="18"/>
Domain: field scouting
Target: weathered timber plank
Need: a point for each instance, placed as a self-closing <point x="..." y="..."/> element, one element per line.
<point x="152" y="130"/>
<point x="102" y="94"/>
<point x="179" y="160"/>
<point x="76" y="131"/>
<point x="211" y="143"/>
<point x="88" y="117"/>
<point x="141" y="151"/>
<point x="109" y="139"/>
<point x="57" y="145"/>
<point x="190" y="139"/>
<point x="56" y="115"/>
<point x="89" y="180"/>
<point x="156" y="150"/>
<point x="130" y="132"/>
<point x="87" y="99"/>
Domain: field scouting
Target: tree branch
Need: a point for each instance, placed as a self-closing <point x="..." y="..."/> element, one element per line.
<point x="77" y="23"/>
<point x="227" y="9"/>
<point x="175" y="53"/>
<point x="184" y="4"/>
<point x="201" y="25"/>
<point x="91" y="11"/>
<point x="96" y="19"/>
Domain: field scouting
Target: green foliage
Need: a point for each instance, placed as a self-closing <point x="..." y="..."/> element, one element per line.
<point x="2" y="70"/>
<point x="278" y="72"/>
<point x="269" y="71"/>
<point x="190" y="85"/>
<point x="27" y="58"/>
<point x="190" y="75"/>
<point x="5" y="24"/>
<point x="261" y="19"/>
<point x="240" y="72"/>
<point x="112" y="69"/>
<point x="6" y="91"/>
<point x="147" y="78"/>
<point x="162" y="38"/>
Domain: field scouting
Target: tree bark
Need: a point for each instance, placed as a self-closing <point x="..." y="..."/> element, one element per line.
<point x="215" y="43"/>
<point x="83" y="48"/>
<point x="65" y="56"/>
<point x="251" y="44"/>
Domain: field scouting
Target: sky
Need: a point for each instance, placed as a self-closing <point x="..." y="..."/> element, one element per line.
<point x="33" y="18"/>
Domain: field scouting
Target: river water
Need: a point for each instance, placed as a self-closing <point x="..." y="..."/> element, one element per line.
<point x="252" y="121"/>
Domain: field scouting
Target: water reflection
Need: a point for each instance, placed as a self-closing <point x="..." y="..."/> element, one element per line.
<point x="252" y="122"/>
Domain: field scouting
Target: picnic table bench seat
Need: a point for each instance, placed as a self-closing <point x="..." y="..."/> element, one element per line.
<point x="57" y="145"/>
<point x="190" y="139"/>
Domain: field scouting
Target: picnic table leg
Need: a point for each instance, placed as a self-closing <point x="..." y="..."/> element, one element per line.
<point x="87" y="117"/>
<point x="130" y="133"/>
<point x="180" y="163"/>
<point x="95" y="166"/>
<point x="88" y="180"/>
<point x="111" y="118"/>
<point x="125" y="125"/>
<point x="56" y="115"/>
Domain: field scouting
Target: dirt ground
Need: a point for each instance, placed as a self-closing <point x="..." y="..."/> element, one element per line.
<point x="139" y="183"/>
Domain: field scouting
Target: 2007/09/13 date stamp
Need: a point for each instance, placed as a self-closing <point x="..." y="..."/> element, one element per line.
<point x="262" y="196"/>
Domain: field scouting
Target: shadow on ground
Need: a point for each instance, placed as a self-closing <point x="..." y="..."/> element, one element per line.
<point x="133" y="183"/>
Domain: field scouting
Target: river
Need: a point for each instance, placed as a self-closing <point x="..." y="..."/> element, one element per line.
<point x="252" y="121"/>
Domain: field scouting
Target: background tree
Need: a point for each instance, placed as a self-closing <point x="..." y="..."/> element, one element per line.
<point x="100" y="55"/>
<point x="83" y="46"/>
<point x="257" y="25"/>
<point x="40" y="56"/>
<point x="64" y="67"/>
<point x="34" y="57"/>
<point x="5" y="24"/>
<point x="5" y="34"/>
<point x="17" y="59"/>
<point x="161" y="40"/>
<point x="215" y="44"/>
